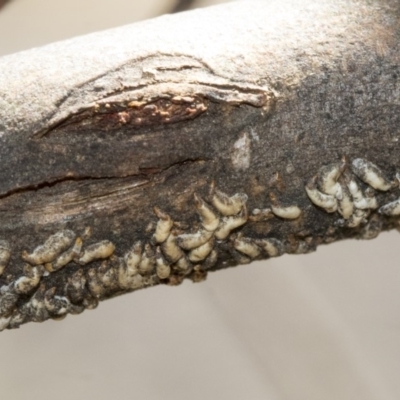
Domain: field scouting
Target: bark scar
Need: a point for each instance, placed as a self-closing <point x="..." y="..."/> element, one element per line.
<point x="154" y="90"/>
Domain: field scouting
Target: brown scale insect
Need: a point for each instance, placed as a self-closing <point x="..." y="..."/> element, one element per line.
<point x="97" y="251"/>
<point x="35" y="307"/>
<point x="272" y="247"/>
<point x="211" y="260"/>
<point x="209" y="218"/>
<point x="29" y="280"/>
<point x="8" y="299"/>
<point x="5" y="254"/>
<point x="285" y="212"/>
<point x="75" y="287"/>
<point x="183" y="265"/>
<point x="148" y="262"/>
<point x="189" y="241"/>
<point x="163" y="269"/>
<point x="90" y="303"/>
<point x="228" y="224"/>
<point x="56" y="305"/>
<point x="247" y="247"/>
<point x="371" y="174"/>
<point x="226" y="205"/>
<point x="66" y="257"/>
<point x="200" y="253"/>
<point x="51" y="249"/>
<point x="95" y="285"/>
<point x="326" y="201"/>
<point x="164" y="226"/>
<point x="170" y="248"/>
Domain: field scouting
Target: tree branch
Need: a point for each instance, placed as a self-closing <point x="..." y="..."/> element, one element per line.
<point x="160" y="151"/>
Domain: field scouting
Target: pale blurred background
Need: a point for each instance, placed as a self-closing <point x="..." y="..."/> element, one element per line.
<point x="324" y="326"/>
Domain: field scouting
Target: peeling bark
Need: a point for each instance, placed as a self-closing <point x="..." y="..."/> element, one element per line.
<point x="164" y="150"/>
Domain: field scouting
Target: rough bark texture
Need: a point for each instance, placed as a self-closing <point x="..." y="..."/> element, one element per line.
<point x="163" y="150"/>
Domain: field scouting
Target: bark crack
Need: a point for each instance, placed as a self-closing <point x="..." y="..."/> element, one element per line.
<point x="144" y="174"/>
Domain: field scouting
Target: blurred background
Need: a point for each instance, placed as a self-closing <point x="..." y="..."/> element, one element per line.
<point x="324" y="326"/>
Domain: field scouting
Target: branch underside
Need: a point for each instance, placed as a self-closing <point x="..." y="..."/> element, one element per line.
<point x="162" y="168"/>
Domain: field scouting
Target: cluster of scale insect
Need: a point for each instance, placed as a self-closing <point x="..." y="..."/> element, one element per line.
<point x="171" y="254"/>
<point x="56" y="252"/>
<point x="336" y="188"/>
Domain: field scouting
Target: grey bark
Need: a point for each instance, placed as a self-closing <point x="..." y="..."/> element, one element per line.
<point x="163" y="150"/>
